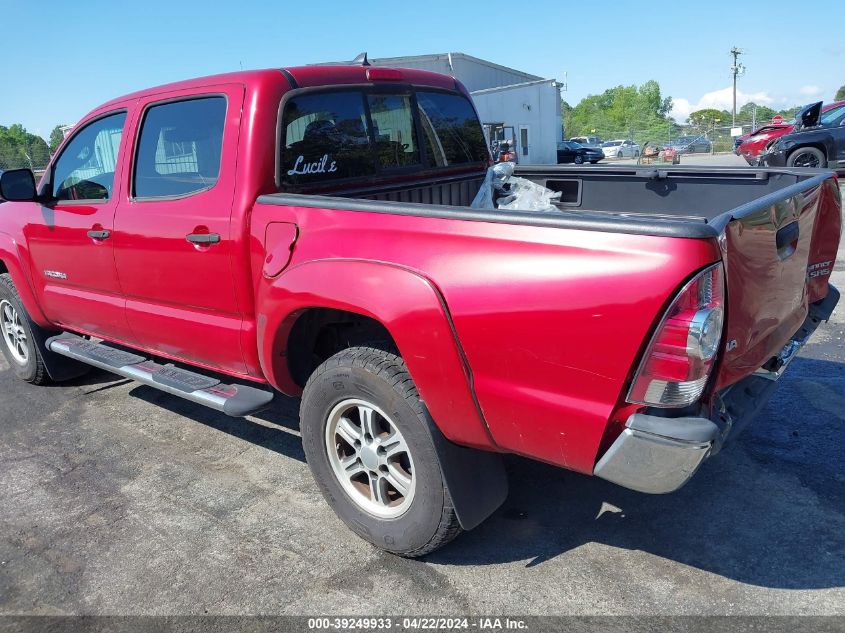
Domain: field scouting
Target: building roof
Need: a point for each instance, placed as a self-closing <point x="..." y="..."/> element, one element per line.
<point x="448" y="57"/>
<point x="513" y="86"/>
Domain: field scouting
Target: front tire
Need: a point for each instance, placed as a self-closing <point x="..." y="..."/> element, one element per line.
<point x="807" y="157"/>
<point x="17" y="336"/>
<point x="579" y="160"/>
<point x="366" y="437"/>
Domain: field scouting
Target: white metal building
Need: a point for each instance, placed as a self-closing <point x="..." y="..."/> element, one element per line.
<point x="514" y="105"/>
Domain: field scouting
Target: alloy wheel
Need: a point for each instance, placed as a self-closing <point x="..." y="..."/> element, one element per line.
<point x="806" y="159"/>
<point x="13" y="332"/>
<point x="370" y="458"/>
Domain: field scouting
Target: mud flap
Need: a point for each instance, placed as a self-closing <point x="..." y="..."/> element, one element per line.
<point x="476" y="479"/>
<point x="59" y="368"/>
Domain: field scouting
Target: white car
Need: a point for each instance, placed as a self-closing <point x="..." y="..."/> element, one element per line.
<point x="620" y="148"/>
<point x="587" y="141"/>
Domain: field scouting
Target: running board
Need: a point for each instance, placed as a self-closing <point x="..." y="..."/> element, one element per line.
<point x="234" y="400"/>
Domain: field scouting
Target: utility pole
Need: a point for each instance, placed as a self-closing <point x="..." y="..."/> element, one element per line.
<point x="736" y="69"/>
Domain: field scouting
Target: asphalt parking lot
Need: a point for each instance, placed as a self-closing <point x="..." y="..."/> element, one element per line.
<point x="118" y="499"/>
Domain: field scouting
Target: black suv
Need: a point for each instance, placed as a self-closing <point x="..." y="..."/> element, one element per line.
<point x="818" y="140"/>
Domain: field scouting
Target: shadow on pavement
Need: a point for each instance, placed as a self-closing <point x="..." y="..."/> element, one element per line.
<point x="766" y="511"/>
<point x="283" y="413"/>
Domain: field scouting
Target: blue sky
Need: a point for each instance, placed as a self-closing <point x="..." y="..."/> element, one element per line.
<point x="61" y="59"/>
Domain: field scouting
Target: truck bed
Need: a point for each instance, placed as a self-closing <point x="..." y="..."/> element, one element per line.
<point x="708" y="195"/>
<point x="778" y="230"/>
<point x="673" y="202"/>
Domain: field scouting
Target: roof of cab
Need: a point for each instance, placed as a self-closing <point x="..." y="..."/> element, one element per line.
<point x="304" y="77"/>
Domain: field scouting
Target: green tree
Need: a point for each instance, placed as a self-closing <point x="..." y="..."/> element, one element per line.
<point x="566" y="118"/>
<point x="56" y="137"/>
<point x="624" y="112"/>
<point x="704" y="119"/>
<point x="19" y="148"/>
<point x="840" y="94"/>
<point x="764" y="114"/>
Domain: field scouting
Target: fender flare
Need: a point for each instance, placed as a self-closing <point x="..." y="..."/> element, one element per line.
<point x="58" y="367"/>
<point x="415" y="314"/>
<point x="407" y="304"/>
<point x="10" y="255"/>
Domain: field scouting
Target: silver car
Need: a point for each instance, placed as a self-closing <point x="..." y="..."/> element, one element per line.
<point x="620" y="148"/>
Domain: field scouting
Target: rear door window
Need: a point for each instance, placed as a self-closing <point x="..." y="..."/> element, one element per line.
<point x="326" y="138"/>
<point x="179" y="148"/>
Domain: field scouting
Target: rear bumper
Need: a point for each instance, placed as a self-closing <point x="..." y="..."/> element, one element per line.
<point x="659" y="455"/>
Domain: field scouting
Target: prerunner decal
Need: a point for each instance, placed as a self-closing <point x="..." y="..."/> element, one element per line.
<point x="300" y="167"/>
<point x="820" y="269"/>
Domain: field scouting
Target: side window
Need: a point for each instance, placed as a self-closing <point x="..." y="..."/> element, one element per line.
<point x="85" y="169"/>
<point x="831" y="115"/>
<point x="325" y="138"/>
<point x="451" y="130"/>
<point x="179" y="148"/>
<point x="393" y="130"/>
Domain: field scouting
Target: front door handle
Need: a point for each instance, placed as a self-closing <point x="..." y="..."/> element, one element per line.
<point x="99" y="235"/>
<point x="203" y="238"/>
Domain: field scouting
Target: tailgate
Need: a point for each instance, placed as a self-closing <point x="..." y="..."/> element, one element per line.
<point x="778" y="254"/>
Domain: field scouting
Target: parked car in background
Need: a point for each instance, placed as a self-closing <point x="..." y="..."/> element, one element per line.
<point x="756" y="143"/>
<point x="572" y="152"/>
<point x="588" y="141"/>
<point x="691" y="145"/>
<point x="620" y="148"/>
<point x="753" y="144"/>
<point x="817" y="140"/>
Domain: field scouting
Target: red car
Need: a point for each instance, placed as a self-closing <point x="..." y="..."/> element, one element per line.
<point x="310" y="231"/>
<point x="756" y="142"/>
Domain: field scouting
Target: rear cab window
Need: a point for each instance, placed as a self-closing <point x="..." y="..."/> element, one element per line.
<point x="330" y="136"/>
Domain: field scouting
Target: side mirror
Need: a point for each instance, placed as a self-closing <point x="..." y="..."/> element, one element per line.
<point x="18" y="185"/>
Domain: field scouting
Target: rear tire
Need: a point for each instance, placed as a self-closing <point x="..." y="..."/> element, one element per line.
<point x="807" y="157"/>
<point x="17" y="336"/>
<point x="360" y="410"/>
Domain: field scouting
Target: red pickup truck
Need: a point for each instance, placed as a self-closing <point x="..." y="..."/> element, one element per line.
<point x="309" y="231"/>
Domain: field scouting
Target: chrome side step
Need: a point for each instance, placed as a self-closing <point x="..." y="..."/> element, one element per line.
<point x="234" y="400"/>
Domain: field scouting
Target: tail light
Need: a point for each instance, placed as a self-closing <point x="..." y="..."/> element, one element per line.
<point x="681" y="354"/>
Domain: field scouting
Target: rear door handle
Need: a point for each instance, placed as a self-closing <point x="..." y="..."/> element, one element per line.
<point x="203" y="238"/>
<point x="99" y="235"/>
